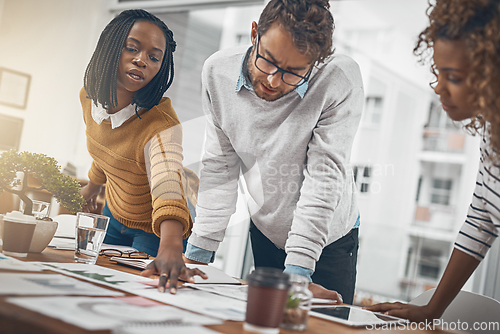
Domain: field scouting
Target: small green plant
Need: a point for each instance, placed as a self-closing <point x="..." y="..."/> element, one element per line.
<point x="46" y="170"/>
<point x="292" y="302"/>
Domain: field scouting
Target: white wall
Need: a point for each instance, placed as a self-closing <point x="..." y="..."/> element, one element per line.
<point x="51" y="40"/>
<point x="387" y="209"/>
<point x="386" y="31"/>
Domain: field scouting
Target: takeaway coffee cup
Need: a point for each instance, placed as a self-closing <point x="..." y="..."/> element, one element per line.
<point x="18" y="231"/>
<point x="267" y="296"/>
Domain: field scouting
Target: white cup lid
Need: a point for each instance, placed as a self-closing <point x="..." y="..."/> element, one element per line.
<point x="19" y="217"/>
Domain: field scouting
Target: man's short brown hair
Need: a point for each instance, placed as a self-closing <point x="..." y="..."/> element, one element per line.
<point x="309" y="22"/>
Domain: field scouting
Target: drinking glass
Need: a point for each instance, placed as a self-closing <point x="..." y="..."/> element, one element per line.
<point x="41" y="209"/>
<point x="90" y="233"/>
<point x="298" y="304"/>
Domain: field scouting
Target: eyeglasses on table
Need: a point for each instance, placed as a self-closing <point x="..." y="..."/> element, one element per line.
<point x="110" y="252"/>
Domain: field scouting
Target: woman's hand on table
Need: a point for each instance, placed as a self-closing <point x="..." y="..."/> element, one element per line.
<point x="169" y="262"/>
<point x="323" y="293"/>
<point x="402" y="310"/>
<point x="169" y="265"/>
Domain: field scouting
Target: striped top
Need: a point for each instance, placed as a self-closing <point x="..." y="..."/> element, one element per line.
<point x="482" y="225"/>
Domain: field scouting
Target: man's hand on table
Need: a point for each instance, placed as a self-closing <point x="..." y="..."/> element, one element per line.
<point x="323" y="293"/>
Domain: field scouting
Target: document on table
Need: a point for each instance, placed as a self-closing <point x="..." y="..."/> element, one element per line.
<point x="199" y="301"/>
<point x="97" y="274"/>
<point x="48" y="284"/>
<point x="232" y="291"/>
<point x="215" y="276"/>
<point x="162" y="329"/>
<point x="202" y="302"/>
<point x="64" y="238"/>
<point x="96" y="313"/>
<point x="10" y="263"/>
<point x="62" y="243"/>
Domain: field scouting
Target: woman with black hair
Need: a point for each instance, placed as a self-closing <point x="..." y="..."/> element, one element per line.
<point x="135" y="140"/>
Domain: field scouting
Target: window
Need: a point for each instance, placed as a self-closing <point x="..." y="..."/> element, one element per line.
<point x="362" y="176"/>
<point x="372" y="114"/>
<point x="441" y="191"/>
<point x="419" y="186"/>
<point x="437" y="118"/>
<point x="10" y="132"/>
<point x="425" y="263"/>
<point x="426" y="258"/>
<point x="429" y="266"/>
<point x="243" y="39"/>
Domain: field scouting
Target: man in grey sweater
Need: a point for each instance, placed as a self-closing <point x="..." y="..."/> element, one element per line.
<point x="284" y="112"/>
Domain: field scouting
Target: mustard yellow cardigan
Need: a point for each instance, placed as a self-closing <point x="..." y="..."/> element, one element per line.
<point x="119" y="161"/>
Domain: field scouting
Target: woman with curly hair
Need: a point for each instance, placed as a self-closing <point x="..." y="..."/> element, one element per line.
<point x="464" y="36"/>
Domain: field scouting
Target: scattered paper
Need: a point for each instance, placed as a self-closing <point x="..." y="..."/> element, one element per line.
<point x="97" y="274"/>
<point x="62" y="243"/>
<point x="9" y="263"/>
<point x="201" y="302"/>
<point x="215" y="276"/>
<point x="49" y="284"/>
<point x="138" y="300"/>
<point x="232" y="291"/>
<point x="107" y="313"/>
<point x="66" y="224"/>
<point x="162" y="329"/>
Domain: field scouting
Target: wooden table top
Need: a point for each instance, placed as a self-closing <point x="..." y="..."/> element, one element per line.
<point x="14" y="319"/>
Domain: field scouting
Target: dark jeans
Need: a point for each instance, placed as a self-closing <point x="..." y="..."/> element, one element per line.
<point x="335" y="270"/>
<point x="119" y="234"/>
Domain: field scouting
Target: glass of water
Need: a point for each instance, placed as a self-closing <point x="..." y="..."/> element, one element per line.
<point x="90" y="233"/>
<point x="40" y="209"/>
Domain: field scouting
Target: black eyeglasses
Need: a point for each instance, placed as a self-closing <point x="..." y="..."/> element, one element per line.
<point x="116" y="252"/>
<point x="268" y="67"/>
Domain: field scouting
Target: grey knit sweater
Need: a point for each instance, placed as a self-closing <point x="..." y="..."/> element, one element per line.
<point x="293" y="152"/>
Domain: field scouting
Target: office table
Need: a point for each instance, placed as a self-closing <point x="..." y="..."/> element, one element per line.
<point x="14" y="319"/>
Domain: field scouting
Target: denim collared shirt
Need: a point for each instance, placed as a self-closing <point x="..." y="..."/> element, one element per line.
<point x="244" y="81"/>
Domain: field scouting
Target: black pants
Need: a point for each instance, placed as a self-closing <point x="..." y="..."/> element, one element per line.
<point x="335" y="270"/>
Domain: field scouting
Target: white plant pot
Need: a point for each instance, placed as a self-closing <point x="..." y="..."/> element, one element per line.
<point x="44" y="232"/>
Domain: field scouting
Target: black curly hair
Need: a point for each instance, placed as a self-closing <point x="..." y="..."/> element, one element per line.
<point x="309" y="22"/>
<point x="101" y="73"/>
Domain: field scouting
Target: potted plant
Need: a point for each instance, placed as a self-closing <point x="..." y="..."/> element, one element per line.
<point x="298" y="304"/>
<point x="46" y="170"/>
